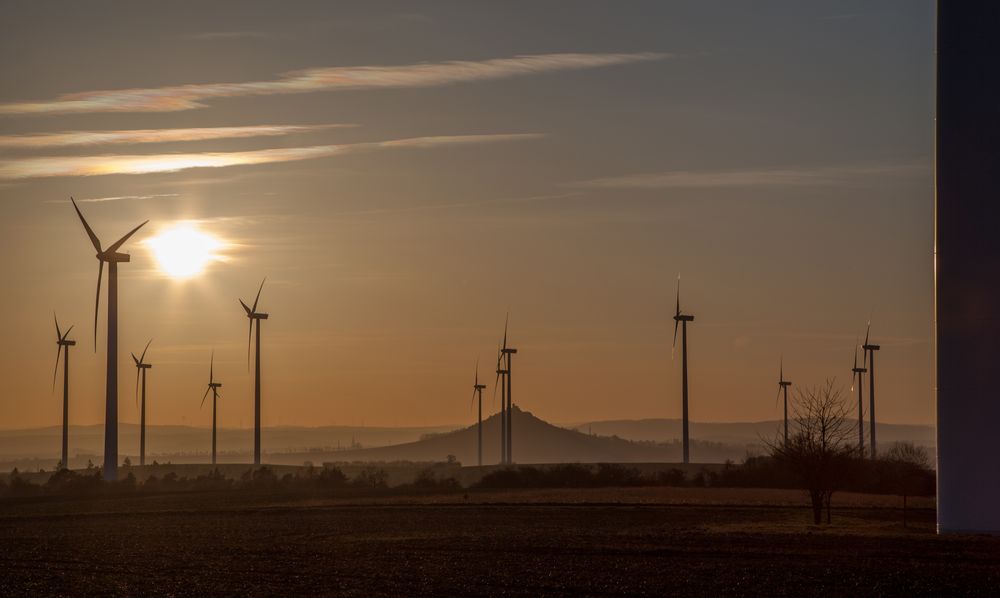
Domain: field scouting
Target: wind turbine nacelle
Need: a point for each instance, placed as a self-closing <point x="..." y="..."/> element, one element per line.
<point x="508" y="351"/>
<point x="859" y="370"/>
<point x="871" y="347"/>
<point x="259" y="316"/>
<point x="144" y="366"/>
<point x="114" y="257"/>
<point x="66" y="343"/>
<point x="684" y="318"/>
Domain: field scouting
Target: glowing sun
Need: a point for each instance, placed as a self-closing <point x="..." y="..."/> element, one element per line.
<point x="183" y="251"/>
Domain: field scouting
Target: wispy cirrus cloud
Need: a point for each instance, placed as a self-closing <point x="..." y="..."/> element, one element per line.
<point x="189" y="97"/>
<point x="56" y="166"/>
<point x="227" y="35"/>
<point x="126" y="197"/>
<point x="76" y="138"/>
<point x="781" y="177"/>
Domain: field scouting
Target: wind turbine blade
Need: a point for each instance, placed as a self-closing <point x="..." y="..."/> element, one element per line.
<point x="137" y="371"/>
<point x="867" y="331"/>
<point x="56" y="370"/>
<point x="246" y="307"/>
<point x="97" y="301"/>
<point x="505" y="322"/>
<point x="143" y="357"/>
<point x="121" y="241"/>
<point x="58" y="332"/>
<point x="211" y="369"/>
<point x="135" y="359"/>
<point x="205" y="397"/>
<point x="673" y="347"/>
<point x="66" y="335"/>
<point x="258" y="295"/>
<point x="249" y="337"/>
<point x="90" y="231"/>
<point x="777" y="397"/>
<point x="781" y="369"/>
<point x="678" y="311"/>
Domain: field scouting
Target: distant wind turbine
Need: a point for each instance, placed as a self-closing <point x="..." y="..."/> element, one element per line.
<point x="112" y="258"/>
<point x="508" y="353"/>
<point x="869" y="349"/>
<point x="213" y="387"/>
<point x="254" y="316"/>
<point x="859" y="376"/>
<point x="62" y="340"/>
<point x="682" y="320"/>
<point x="783" y="389"/>
<point x="477" y="391"/>
<point x="502" y="379"/>
<point x="140" y="368"/>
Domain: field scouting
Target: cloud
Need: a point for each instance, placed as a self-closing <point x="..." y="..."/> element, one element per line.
<point x="225" y="35"/>
<point x="74" y="138"/>
<point x="189" y="97"/>
<point x="52" y="166"/>
<point x="784" y="177"/>
<point x="122" y="197"/>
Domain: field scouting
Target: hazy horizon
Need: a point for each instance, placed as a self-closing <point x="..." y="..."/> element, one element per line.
<point x="405" y="175"/>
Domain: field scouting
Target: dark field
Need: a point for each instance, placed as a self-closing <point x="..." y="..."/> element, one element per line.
<point x="515" y="544"/>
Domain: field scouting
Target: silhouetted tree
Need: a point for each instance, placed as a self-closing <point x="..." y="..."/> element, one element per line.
<point x="820" y="453"/>
<point x="910" y="468"/>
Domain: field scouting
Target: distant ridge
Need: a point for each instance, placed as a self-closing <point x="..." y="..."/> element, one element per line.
<point x="537" y="441"/>
<point x="665" y="430"/>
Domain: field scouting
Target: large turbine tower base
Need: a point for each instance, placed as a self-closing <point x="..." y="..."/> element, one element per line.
<point x="967" y="255"/>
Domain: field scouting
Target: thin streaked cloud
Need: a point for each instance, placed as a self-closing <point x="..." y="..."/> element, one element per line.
<point x="52" y="166"/>
<point x="189" y="97"/>
<point x="126" y="197"/>
<point x="77" y="138"/>
<point x="718" y="179"/>
<point x="227" y="35"/>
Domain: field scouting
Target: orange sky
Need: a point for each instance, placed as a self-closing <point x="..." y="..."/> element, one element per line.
<point x="404" y="178"/>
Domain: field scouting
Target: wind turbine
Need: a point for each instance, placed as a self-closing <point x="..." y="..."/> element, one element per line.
<point x="783" y="389"/>
<point x="502" y="379"/>
<point x="859" y="375"/>
<point x="477" y="390"/>
<point x="140" y="368"/>
<point x="508" y="353"/>
<point x="62" y="340"/>
<point x="213" y="387"/>
<point x="682" y="320"/>
<point x="254" y="316"/>
<point x="112" y="258"/>
<point x="869" y="349"/>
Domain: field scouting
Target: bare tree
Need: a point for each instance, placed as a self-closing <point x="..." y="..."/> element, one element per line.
<point x="819" y="451"/>
<point x="910" y="468"/>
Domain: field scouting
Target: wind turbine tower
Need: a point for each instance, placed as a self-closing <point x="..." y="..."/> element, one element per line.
<point x="682" y="320"/>
<point x="213" y="387"/>
<point x="783" y="389"/>
<point x="255" y="317"/>
<point x="477" y="391"/>
<point x="140" y="368"/>
<point x="63" y="341"/>
<point x="869" y="349"/>
<point x="859" y="375"/>
<point x="502" y="379"/>
<point x="508" y="353"/>
<point x="111" y="257"/>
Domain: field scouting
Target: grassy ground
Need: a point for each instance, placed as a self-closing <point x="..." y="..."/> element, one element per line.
<point x="641" y="541"/>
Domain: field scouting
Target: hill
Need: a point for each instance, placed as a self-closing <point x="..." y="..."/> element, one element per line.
<point x="537" y="441"/>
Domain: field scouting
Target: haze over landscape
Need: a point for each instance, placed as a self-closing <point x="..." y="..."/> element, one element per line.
<point x="403" y="195"/>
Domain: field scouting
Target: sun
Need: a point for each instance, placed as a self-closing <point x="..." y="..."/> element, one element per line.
<point x="183" y="251"/>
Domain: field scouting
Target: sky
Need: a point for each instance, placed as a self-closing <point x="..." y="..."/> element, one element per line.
<point x="406" y="174"/>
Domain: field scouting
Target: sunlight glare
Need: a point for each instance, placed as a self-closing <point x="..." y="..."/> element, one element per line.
<point x="183" y="251"/>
